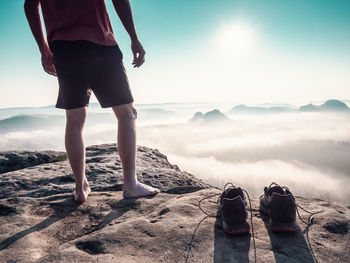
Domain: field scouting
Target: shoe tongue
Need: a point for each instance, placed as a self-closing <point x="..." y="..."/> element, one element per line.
<point x="276" y="189"/>
<point x="233" y="192"/>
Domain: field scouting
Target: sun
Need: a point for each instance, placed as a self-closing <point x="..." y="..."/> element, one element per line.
<point x="235" y="38"/>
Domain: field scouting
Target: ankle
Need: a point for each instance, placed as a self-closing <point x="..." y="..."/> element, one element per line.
<point x="86" y="183"/>
<point x="130" y="182"/>
<point x="82" y="187"/>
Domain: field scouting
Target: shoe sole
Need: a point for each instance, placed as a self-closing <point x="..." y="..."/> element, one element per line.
<point x="283" y="227"/>
<point x="236" y="229"/>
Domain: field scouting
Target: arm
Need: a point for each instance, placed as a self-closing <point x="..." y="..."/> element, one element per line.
<point x="124" y="11"/>
<point x="31" y="8"/>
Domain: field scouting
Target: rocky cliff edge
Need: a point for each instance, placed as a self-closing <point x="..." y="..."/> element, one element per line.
<point x="40" y="222"/>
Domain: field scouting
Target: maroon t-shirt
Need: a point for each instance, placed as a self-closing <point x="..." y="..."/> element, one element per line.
<point x="77" y="20"/>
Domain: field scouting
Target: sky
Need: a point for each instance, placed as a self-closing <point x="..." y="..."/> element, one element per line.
<point x="202" y="50"/>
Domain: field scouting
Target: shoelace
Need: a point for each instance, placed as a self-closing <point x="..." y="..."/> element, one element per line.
<point x="306" y="231"/>
<point x="219" y="215"/>
<point x="309" y="222"/>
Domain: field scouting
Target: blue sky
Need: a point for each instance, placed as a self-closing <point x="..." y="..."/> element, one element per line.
<point x="296" y="46"/>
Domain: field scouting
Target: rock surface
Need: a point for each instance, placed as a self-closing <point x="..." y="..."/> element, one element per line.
<point x="15" y="160"/>
<point x="40" y="222"/>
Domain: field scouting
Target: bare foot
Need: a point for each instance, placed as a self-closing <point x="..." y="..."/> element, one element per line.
<point x="81" y="196"/>
<point x="138" y="190"/>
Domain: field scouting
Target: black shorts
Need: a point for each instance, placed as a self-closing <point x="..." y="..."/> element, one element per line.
<point x="82" y="67"/>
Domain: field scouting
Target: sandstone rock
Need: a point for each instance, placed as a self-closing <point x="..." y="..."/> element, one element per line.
<point x="40" y="222"/>
<point x="15" y="160"/>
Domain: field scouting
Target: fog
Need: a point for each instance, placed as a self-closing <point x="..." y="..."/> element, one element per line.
<point x="308" y="152"/>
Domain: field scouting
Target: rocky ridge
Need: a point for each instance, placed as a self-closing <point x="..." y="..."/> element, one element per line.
<point x="40" y="222"/>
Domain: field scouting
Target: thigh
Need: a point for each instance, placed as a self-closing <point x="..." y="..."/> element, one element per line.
<point x="107" y="78"/>
<point x="74" y="91"/>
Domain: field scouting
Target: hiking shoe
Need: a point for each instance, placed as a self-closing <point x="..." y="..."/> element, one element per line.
<point x="232" y="205"/>
<point x="279" y="204"/>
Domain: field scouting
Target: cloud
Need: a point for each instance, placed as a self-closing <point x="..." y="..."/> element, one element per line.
<point x="309" y="152"/>
<point x="300" y="150"/>
<point x="254" y="176"/>
<point x="40" y="139"/>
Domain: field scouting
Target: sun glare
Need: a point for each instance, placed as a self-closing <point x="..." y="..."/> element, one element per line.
<point x="235" y="38"/>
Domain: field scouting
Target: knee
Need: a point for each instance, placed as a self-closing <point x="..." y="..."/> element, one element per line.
<point x="125" y="112"/>
<point x="75" y="118"/>
<point x="75" y="126"/>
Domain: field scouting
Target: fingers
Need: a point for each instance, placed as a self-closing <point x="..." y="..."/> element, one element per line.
<point x="48" y="65"/>
<point x="139" y="58"/>
<point x="50" y="69"/>
<point x="53" y="70"/>
<point x="139" y="54"/>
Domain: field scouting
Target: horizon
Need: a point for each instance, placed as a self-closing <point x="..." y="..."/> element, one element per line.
<point x="262" y="104"/>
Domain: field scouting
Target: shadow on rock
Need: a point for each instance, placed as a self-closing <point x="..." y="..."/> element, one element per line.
<point x="118" y="209"/>
<point x="288" y="247"/>
<point x="67" y="207"/>
<point x="62" y="209"/>
<point x="229" y="248"/>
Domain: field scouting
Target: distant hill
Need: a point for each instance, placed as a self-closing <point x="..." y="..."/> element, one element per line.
<point x="198" y="116"/>
<point x="241" y="108"/>
<point x="308" y="108"/>
<point x="27" y="122"/>
<point x="329" y="106"/>
<point x="214" y="115"/>
<point x="334" y="105"/>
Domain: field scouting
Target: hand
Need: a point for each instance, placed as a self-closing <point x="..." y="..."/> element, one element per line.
<point x="46" y="61"/>
<point x="139" y="54"/>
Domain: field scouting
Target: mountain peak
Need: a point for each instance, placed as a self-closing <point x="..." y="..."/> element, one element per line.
<point x="329" y="105"/>
<point x="334" y="105"/>
<point x="214" y="115"/>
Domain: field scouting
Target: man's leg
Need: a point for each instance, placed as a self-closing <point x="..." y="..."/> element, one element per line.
<point x="76" y="151"/>
<point x="126" y="115"/>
